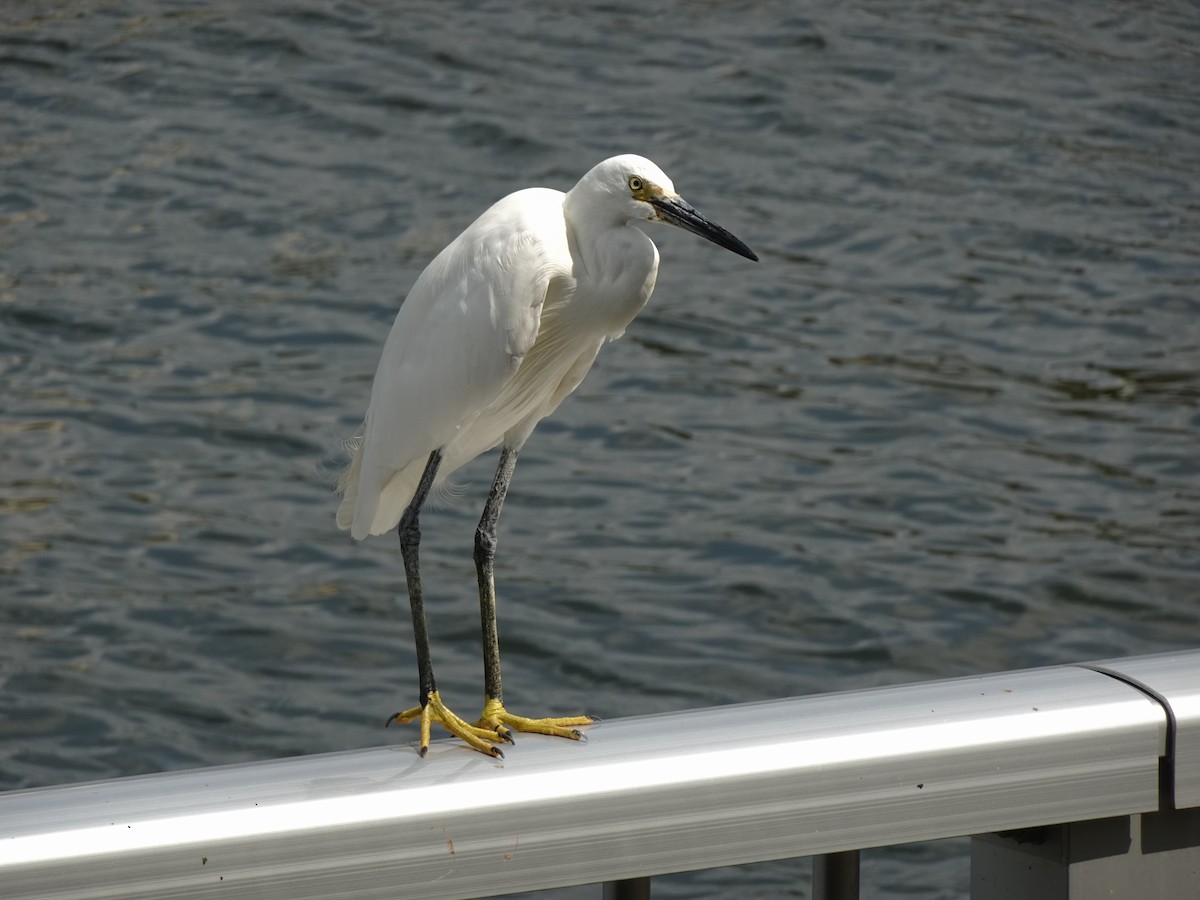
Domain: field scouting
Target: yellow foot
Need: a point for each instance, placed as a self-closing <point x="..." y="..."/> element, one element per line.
<point x="479" y="737"/>
<point x="497" y="719"/>
<point x="495" y="725"/>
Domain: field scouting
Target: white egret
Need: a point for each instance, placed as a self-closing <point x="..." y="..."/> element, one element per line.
<point x="496" y="332"/>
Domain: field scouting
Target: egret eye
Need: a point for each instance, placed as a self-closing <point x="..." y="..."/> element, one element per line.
<point x="635" y="183"/>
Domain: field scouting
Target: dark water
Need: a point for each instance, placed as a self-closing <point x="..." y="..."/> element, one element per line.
<point x="948" y="425"/>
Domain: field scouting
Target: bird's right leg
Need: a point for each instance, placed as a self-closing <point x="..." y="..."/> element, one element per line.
<point x="495" y="717"/>
<point x="431" y="709"/>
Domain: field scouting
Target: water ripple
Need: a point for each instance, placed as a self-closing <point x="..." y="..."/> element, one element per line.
<point x="948" y="425"/>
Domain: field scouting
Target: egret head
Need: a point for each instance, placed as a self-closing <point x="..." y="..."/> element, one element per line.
<point x="644" y="191"/>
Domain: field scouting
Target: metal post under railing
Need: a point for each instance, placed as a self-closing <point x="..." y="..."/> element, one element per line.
<point x="628" y="889"/>
<point x="835" y="876"/>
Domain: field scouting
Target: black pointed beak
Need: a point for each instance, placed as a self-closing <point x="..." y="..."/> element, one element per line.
<point x="676" y="211"/>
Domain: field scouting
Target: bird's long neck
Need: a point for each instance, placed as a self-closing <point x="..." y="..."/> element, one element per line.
<point x="615" y="266"/>
<point x="587" y="225"/>
<point x="599" y="233"/>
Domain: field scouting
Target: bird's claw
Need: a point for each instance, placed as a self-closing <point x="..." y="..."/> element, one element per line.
<point x="478" y="738"/>
<point x="496" y="725"/>
<point x="497" y="718"/>
<point x="504" y="733"/>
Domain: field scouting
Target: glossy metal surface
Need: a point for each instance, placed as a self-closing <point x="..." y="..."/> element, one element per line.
<point x="1174" y="680"/>
<point x="645" y="795"/>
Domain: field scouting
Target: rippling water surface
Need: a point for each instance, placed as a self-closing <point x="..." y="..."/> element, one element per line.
<point x="947" y="425"/>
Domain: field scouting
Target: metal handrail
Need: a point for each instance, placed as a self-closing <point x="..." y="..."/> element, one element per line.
<point x="643" y="796"/>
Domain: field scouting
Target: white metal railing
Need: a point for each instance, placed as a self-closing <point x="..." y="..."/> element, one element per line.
<point x="643" y="796"/>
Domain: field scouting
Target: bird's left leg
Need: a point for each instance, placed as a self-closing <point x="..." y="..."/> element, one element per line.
<point x="432" y="709"/>
<point x="495" y="717"/>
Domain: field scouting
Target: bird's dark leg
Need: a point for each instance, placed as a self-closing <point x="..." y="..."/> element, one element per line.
<point x="432" y="709"/>
<point x="410" y="541"/>
<point x="496" y="724"/>
<point x="495" y="717"/>
<point x="485" y="555"/>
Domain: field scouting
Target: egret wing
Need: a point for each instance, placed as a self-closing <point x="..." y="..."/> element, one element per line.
<point x="458" y="338"/>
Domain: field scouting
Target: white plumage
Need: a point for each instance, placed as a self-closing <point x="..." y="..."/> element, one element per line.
<point x="496" y="332"/>
<point x="501" y="326"/>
